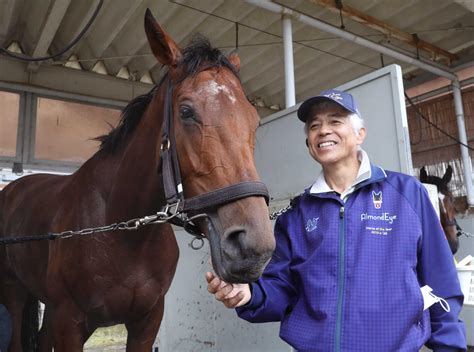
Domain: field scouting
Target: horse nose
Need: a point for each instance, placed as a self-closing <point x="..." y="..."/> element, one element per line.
<point x="244" y="253"/>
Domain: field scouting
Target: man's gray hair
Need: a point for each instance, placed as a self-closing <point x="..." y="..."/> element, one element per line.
<point x="357" y="122"/>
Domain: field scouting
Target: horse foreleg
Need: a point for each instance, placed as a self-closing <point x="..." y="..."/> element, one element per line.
<point x="15" y="299"/>
<point x="45" y="337"/>
<point x="68" y="326"/>
<point x="142" y="332"/>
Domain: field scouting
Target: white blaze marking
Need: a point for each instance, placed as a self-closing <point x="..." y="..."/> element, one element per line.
<point x="213" y="88"/>
<point x="441" y="199"/>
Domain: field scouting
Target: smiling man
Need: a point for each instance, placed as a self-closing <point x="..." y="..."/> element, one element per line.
<point x="354" y="252"/>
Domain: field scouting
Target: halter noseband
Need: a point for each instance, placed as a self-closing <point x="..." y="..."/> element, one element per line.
<point x="173" y="185"/>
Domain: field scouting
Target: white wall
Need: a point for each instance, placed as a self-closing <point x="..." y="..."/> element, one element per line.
<point x="466" y="247"/>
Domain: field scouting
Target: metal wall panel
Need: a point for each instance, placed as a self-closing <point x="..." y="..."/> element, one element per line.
<point x="281" y="155"/>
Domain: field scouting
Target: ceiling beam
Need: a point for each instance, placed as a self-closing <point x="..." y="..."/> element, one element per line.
<point x="7" y="9"/>
<point x="107" y="31"/>
<point x="134" y="40"/>
<point x="80" y="82"/>
<point x="468" y="4"/>
<point x="391" y="31"/>
<point x="48" y="31"/>
<point x="90" y="12"/>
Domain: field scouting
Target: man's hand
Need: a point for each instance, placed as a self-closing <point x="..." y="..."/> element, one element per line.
<point x="232" y="295"/>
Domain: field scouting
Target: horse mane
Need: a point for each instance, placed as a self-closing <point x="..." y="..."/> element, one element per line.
<point x="199" y="55"/>
<point x="130" y="117"/>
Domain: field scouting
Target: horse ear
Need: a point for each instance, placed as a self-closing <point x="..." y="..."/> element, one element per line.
<point x="448" y="175"/>
<point x="234" y="59"/>
<point x="162" y="45"/>
<point x="423" y="174"/>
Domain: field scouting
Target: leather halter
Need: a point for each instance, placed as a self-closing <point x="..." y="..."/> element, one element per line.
<point x="448" y="222"/>
<point x="173" y="185"/>
<point x="459" y="230"/>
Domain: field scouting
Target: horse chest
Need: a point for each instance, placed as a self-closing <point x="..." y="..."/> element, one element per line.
<point x="110" y="280"/>
<point x="112" y="302"/>
<point x="107" y="298"/>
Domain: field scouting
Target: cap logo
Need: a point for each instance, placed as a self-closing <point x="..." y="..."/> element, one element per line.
<point x="334" y="96"/>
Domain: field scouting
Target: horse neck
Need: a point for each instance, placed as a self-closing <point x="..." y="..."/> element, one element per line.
<point x="135" y="185"/>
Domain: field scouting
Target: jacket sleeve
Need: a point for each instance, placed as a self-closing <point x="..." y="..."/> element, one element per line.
<point x="436" y="268"/>
<point x="272" y="294"/>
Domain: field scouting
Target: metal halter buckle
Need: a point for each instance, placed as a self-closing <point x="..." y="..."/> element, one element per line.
<point x="165" y="144"/>
<point x="172" y="209"/>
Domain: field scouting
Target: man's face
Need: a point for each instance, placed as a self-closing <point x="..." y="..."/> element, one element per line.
<point x="331" y="138"/>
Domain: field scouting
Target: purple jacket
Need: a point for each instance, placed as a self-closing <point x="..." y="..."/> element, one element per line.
<point x="347" y="276"/>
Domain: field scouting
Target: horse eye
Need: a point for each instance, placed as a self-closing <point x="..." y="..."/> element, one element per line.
<point x="186" y="113"/>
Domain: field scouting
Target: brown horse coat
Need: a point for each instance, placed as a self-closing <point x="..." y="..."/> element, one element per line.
<point x="122" y="277"/>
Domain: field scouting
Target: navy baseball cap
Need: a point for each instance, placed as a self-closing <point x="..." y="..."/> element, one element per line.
<point x="344" y="99"/>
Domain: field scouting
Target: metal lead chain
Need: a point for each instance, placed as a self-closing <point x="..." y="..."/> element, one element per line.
<point x="467" y="234"/>
<point x="133" y="224"/>
<point x="276" y="214"/>
<point x="161" y="217"/>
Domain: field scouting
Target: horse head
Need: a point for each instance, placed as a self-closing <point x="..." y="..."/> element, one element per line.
<point x="446" y="205"/>
<point x="214" y="129"/>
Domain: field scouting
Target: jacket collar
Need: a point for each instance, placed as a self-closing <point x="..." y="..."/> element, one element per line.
<point x="368" y="173"/>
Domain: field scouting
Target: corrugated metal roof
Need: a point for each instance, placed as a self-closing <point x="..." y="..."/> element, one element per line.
<point x="117" y="39"/>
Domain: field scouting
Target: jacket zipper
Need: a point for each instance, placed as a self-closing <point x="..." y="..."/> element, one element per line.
<point x="342" y="244"/>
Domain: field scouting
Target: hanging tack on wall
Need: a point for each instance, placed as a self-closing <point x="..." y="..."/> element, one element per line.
<point x="17" y="168"/>
<point x="416" y="39"/>
<point x="339" y="6"/>
<point x="236" y="35"/>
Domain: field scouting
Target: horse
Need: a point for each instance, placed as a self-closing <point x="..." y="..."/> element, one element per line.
<point x="187" y="144"/>
<point x="447" y="209"/>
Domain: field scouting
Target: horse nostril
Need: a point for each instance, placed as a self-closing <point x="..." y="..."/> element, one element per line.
<point x="234" y="240"/>
<point x="235" y="234"/>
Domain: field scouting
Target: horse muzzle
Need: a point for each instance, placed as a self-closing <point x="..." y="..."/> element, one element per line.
<point x="239" y="253"/>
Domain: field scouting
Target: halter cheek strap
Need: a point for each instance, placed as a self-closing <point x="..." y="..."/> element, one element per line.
<point x="173" y="185"/>
<point x="169" y="158"/>
<point x="448" y="222"/>
<point x="451" y="223"/>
